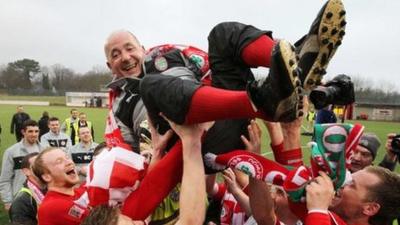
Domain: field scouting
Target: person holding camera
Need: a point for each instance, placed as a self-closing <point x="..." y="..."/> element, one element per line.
<point x="392" y="151"/>
<point x="368" y="147"/>
<point x="392" y="154"/>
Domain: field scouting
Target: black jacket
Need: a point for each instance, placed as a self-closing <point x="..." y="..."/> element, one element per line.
<point x="23" y="209"/>
<point x="43" y="125"/>
<point x="17" y="121"/>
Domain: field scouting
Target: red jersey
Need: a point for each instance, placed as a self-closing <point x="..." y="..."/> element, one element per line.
<point x="61" y="209"/>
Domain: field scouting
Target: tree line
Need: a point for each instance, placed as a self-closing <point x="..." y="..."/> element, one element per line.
<point x="27" y="76"/>
<point x="382" y="93"/>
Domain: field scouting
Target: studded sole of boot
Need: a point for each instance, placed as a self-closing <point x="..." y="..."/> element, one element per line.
<point x="330" y="35"/>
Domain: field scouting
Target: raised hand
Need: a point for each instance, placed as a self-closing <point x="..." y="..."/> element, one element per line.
<point x="254" y="144"/>
<point x="189" y="131"/>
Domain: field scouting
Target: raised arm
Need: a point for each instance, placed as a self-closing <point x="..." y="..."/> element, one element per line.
<point x="193" y="193"/>
<point x="193" y="189"/>
<point x="236" y="190"/>
<point x="261" y="203"/>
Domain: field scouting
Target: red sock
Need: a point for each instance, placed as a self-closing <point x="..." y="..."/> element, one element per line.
<point x="277" y="150"/>
<point x="209" y="103"/>
<point x="258" y="52"/>
<point x="293" y="157"/>
<point x="156" y="185"/>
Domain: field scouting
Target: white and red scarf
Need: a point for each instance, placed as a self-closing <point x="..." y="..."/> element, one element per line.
<point x="37" y="193"/>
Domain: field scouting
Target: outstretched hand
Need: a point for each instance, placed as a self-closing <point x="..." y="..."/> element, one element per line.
<point x="254" y="144"/>
<point x="230" y="180"/>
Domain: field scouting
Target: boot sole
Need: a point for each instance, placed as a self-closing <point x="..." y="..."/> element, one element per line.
<point x="330" y="35"/>
<point x="288" y="57"/>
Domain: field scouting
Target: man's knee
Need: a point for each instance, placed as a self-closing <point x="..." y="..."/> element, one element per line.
<point x="167" y="94"/>
<point x="224" y="29"/>
<point x="228" y="39"/>
<point x="149" y="82"/>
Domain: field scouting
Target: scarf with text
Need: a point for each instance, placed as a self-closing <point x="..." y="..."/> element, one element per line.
<point x="331" y="152"/>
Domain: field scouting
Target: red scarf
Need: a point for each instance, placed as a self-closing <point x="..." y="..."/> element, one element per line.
<point x="112" y="134"/>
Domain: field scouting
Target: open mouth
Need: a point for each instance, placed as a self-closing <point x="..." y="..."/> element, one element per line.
<point x="129" y="66"/>
<point x="71" y="172"/>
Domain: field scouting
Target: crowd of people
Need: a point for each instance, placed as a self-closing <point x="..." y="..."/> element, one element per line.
<point x="20" y="189"/>
<point x="178" y="116"/>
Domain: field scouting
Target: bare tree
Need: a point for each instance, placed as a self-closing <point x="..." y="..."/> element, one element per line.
<point x="62" y="78"/>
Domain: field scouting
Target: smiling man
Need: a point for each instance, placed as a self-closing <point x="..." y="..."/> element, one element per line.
<point x="125" y="55"/>
<point x="55" y="138"/>
<point x="61" y="204"/>
<point x="365" y="152"/>
<point x="125" y="58"/>
<point x="12" y="178"/>
<point x="82" y="152"/>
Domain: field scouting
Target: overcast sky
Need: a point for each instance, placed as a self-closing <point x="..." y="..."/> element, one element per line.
<point x="73" y="32"/>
